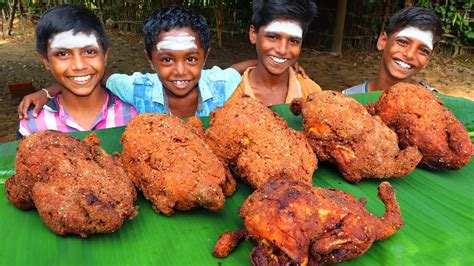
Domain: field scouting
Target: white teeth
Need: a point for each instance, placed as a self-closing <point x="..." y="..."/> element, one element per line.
<point x="81" y="78"/>
<point x="180" y="82"/>
<point x="278" y="60"/>
<point x="403" y="64"/>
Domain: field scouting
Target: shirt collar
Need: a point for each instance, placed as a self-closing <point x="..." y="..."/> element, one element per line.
<point x="53" y="104"/>
<point x="159" y="95"/>
<point x="294" y="86"/>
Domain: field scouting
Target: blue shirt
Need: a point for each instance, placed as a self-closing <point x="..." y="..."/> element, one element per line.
<point x="364" y="87"/>
<point x="145" y="91"/>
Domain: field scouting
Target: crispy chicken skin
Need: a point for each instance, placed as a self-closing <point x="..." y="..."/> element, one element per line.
<point x="75" y="185"/>
<point x="257" y="144"/>
<point x="419" y="118"/>
<point x="293" y="223"/>
<point x="341" y="131"/>
<point x="172" y="165"/>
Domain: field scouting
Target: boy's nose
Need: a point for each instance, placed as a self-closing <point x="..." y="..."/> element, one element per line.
<point x="78" y="63"/>
<point x="180" y="68"/>
<point x="409" y="52"/>
<point x="282" y="47"/>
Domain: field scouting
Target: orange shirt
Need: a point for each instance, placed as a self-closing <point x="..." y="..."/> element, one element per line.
<point x="298" y="87"/>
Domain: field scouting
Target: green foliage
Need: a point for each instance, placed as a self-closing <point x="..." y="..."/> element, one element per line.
<point x="455" y="17"/>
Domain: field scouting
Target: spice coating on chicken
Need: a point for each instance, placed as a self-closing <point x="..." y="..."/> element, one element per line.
<point x="293" y="223"/>
<point x="75" y="185"/>
<point x="257" y="144"/>
<point x="419" y="118"/>
<point x="172" y="165"/>
<point x="341" y="131"/>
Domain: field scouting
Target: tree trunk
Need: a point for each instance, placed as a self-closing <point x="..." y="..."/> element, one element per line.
<point x="336" y="47"/>
<point x="386" y="14"/>
<point x="21" y="8"/>
<point x="219" y="22"/>
<point x="3" y="15"/>
<point x="12" y="17"/>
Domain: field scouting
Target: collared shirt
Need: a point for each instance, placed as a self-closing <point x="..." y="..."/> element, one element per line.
<point x="53" y="116"/>
<point x="364" y="87"/>
<point x="145" y="91"/>
<point x="298" y="87"/>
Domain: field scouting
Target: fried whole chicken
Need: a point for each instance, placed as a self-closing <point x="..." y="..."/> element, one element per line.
<point x="75" y="185"/>
<point x="419" y="118"/>
<point x="173" y="166"/>
<point x="293" y="223"/>
<point x="341" y="131"/>
<point x="257" y="144"/>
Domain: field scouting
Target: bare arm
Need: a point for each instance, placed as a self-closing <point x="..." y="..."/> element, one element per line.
<point x="242" y="66"/>
<point x="37" y="99"/>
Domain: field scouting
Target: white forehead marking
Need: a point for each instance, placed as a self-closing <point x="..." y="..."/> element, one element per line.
<point x="425" y="37"/>
<point x="68" y="40"/>
<point x="181" y="41"/>
<point x="288" y="27"/>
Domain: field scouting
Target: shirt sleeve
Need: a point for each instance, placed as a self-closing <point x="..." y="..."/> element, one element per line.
<point x="23" y="129"/>
<point x="122" y="86"/>
<point x="233" y="79"/>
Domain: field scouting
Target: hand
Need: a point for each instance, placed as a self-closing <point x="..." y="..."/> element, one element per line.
<point x="299" y="70"/>
<point x="37" y="99"/>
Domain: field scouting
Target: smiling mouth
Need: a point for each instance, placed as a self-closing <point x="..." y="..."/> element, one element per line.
<point x="278" y="60"/>
<point x="403" y="65"/>
<point x="81" y="79"/>
<point x="181" y="83"/>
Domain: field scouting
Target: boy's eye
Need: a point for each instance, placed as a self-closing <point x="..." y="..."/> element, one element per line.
<point x="402" y="42"/>
<point x="425" y="51"/>
<point x="192" y="59"/>
<point x="271" y="36"/>
<point x="90" y="52"/>
<point x="166" y="60"/>
<point x="295" y="41"/>
<point x="61" y="54"/>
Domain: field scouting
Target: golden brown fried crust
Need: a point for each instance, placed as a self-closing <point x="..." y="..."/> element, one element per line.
<point x="341" y="131"/>
<point x="257" y="144"/>
<point x="292" y="222"/>
<point x="420" y="119"/>
<point x="76" y="186"/>
<point x="227" y="242"/>
<point x="172" y="165"/>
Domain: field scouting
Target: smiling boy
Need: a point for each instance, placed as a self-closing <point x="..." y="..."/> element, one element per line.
<point x="407" y="45"/>
<point x="277" y="30"/>
<point x="177" y="43"/>
<point x="72" y="44"/>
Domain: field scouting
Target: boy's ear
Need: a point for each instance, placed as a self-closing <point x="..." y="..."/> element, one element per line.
<point x="44" y="60"/>
<point x="253" y="35"/>
<point x="382" y="41"/>
<point x="106" y="55"/>
<point x="149" y="60"/>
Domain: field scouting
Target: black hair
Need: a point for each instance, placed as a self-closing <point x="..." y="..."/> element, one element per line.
<point x="68" y="17"/>
<point x="175" y="17"/>
<point x="265" y="11"/>
<point x="419" y="17"/>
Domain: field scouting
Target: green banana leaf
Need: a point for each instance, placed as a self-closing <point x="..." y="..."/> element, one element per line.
<point x="437" y="207"/>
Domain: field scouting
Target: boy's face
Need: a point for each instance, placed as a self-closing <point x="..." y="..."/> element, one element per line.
<point x="406" y="52"/>
<point x="278" y="44"/>
<point x="178" y="58"/>
<point x="77" y="61"/>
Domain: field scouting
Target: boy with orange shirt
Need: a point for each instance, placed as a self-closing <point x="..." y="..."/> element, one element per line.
<point x="277" y="31"/>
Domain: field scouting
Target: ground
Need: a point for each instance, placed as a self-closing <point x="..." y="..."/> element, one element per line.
<point x="19" y="61"/>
